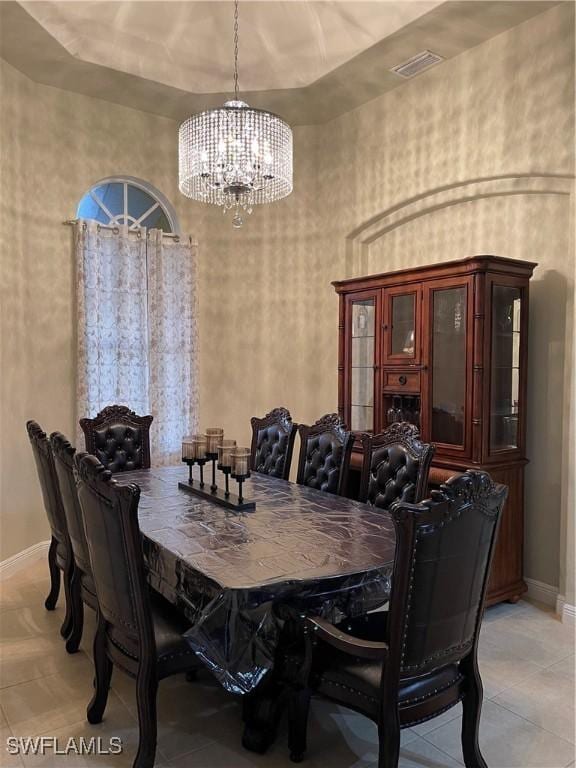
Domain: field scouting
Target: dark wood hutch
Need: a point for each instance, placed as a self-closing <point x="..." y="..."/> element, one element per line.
<point x="445" y="347"/>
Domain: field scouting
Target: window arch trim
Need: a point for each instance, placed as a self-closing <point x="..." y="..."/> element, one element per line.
<point x="160" y="201"/>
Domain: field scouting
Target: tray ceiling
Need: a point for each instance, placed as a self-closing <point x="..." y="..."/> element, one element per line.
<point x="307" y="61"/>
<point x="188" y="45"/>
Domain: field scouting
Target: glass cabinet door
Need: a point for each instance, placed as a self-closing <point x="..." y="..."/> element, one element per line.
<point x="401" y="325"/>
<point x="449" y="364"/>
<point x="362" y="317"/>
<point x="505" y="372"/>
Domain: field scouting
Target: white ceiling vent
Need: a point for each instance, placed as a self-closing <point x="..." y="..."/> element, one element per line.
<point x="416" y="64"/>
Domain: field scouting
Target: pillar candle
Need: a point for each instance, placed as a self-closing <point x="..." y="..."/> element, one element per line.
<point x="199" y="446"/>
<point x="188" y="447"/>
<point x="240" y="461"/>
<point x="225" y="453"/>
<point x="214" y="436"/>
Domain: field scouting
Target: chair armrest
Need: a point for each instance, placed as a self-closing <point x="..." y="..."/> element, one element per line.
<point x="355" y="646"/>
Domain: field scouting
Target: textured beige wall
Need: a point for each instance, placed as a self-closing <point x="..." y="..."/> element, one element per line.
<point x="268" y="319"/>
<point x="55" y="145"/>
<point x="267" y="335"/>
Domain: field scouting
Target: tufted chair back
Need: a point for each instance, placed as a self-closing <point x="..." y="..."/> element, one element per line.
<point x="325" y="450"/>
<point x="110" y="514"/>
<point x="395" y="467"/>
<point x="119" y="438"/>
<point x="64" y="464"/>
<point x="272" y="443"/>
<point x="49" y="486"/>
<point x="444" y="548"/>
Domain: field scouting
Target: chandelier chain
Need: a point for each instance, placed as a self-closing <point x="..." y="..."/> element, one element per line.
<point x="236" y="49"/>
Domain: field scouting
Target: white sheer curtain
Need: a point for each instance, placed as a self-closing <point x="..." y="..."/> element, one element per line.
<point x="137" y="329"/>
<point x="172" y="343"/>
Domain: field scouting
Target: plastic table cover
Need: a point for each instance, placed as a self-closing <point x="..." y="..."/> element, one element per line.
<point x="229" y="572"/>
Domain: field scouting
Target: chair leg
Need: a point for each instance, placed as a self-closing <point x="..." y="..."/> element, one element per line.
<point x="103" y="669"/>
<point x="471" y="708"/>
<point x="66" y="627"/>
<point x="389" y="742"/>
<point x="298" y="708"/>
<point x="52" y="599"/>
<point x="146" y="689"/>
<point x="77" y="609"/>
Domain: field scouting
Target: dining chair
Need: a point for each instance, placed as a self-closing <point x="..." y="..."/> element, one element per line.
<point x="273" y="443"/>
<point x="60" y="556"/>
<point x="82" y="589"/>
<point x="325" y="450"/>
<point x="119" y="438"/>
<point x="425" y="661"/>
<point x="395" y="466"/>
<point x="137" y="631"/>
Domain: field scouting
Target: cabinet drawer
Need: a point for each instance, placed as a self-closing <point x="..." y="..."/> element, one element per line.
<point x="401" y="381"/>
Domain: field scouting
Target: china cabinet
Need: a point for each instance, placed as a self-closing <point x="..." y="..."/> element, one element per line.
<point x="444" y="347"/>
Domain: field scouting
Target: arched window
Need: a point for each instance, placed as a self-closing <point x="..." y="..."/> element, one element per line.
<point x="127" y="201"/>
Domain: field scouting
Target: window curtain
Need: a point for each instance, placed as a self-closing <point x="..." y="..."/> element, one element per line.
<point x="137" y="329"/>
<point x="172" y="343"/>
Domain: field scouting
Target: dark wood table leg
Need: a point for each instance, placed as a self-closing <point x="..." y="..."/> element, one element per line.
<point x="264" y="706"/>
<point x="262" y="710"/>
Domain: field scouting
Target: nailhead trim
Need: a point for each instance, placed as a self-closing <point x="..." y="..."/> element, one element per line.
<point x="164" y="657"/>
<point x="356" y="692"/>
<point x="351" y="690"/>
<point x="434" y="692"/>
<point x="461" y="646"/>
<point x="435" y="714"/>
<point x="410" y="589"/>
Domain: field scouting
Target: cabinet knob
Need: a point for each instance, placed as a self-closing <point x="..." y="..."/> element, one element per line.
<point x="402" y="379"/>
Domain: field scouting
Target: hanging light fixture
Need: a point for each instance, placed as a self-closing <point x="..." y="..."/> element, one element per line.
<point x="235" y="156"/>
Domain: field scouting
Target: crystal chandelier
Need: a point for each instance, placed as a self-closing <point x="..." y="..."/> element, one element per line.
<point x="235" y="156"/>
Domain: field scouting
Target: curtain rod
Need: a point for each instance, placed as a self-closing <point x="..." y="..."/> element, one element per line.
<point x="116" y="228"/>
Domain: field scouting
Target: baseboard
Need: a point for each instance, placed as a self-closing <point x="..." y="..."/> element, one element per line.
<point x="24" y="559"/>
<point x="542" y="593"/>
<point x="566" y="611"/>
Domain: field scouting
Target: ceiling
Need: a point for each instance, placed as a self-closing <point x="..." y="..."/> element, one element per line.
<point x="308" y="60"/>
<point x="282" y="44"/>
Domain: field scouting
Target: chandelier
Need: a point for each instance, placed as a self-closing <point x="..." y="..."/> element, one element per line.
<point x="235" y="156"/>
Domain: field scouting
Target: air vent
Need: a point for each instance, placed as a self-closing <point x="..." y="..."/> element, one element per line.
<point x="416" y="64"/>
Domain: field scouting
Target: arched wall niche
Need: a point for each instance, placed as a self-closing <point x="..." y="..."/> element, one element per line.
<point x="463" y="201"/>
<point x="524" y="217"/>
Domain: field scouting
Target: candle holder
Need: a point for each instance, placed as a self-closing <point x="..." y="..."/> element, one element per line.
<point x="214" y="437"/>
<point x="225" y="461"/>
<point x="240" y="468"/>
<point x="194" y="452"/>
<point x="231" y="461"/>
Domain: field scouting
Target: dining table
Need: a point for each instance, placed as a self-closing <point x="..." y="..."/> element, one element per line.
<point x="238" y="577"/>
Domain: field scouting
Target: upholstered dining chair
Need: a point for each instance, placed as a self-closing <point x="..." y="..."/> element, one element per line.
<point x="426" y="658"/>
<point x="325" y="450"/>
<point x="60" y="556"/>
<point x="82" y="589"/>
<point x="136" y="631"/>
<point x="273" y="443"/>
<point x="119" y="438"/>
<point x="395" y="466"/>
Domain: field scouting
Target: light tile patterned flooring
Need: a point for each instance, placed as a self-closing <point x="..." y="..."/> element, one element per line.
<point x="526" y="660"/>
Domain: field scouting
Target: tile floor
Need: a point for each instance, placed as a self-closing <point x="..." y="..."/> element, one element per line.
<point x="526" y="660"/>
